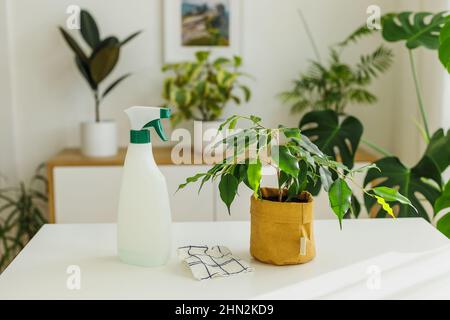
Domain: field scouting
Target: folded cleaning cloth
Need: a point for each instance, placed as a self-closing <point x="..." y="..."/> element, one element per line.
<point x="207" y="263"/>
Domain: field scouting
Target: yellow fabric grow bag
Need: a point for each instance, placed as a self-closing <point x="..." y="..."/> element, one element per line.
<point x="282" y="232"/>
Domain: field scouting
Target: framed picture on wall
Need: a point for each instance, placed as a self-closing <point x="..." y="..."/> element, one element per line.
<point x="193" y="25"/>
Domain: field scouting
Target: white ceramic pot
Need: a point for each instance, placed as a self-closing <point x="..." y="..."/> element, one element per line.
<point x="99" y="139"/>
<point x="205" y="135"/>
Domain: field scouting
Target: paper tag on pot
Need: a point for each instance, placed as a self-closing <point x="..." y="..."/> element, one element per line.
<point x="303" y="246"/>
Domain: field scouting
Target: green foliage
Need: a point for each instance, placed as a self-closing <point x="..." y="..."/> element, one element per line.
<point x="21" y="216"/>
<point x="413" y="29"/>
<point x="201" y="89"/>
<point x="104" y="56"/>
<point x="325" y="130"/>
<point x="297" y="162"/>
<point x="336" y="85"/>
<point x="444" y="46"/>
<point x="331" y="135"/>
<point x="423" y="179"/>
<point x="340" y="196"/>
<point x="443" y="203"/>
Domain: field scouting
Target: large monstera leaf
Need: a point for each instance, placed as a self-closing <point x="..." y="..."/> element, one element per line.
<point x="328" y="133"/>
<point x="438" y="149"/>
<point x="415" y="29"/>
<point x="419" y="183"/>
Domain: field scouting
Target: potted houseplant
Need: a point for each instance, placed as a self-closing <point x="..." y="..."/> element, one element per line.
<point x="326" y="90"/>
<point x="423" y="182"/>
<point x="201" y="89"/>
<point x="22" y="214"/>
<point x="99" y="137"/>
<point x="282" y="218"/>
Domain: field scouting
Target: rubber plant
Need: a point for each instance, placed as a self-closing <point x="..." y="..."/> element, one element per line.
<point x="21" y="215"/>
<point x="103" y="58"/>
<point x="296" y="163"/>
<point x="430" y="31"/>
<point x="328" y="89"/>
<point x="202" y="88"/>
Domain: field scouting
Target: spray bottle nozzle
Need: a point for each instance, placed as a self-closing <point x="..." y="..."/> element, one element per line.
<point x="156" y="124"/>
<point x="143" y="118"/>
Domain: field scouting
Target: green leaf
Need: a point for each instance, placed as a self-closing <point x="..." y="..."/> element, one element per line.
<point x="443" y="202"/>
<point x="390" y="194"/>
<point x="408" y="181"/>
<point x="255" y="119"/>
<point x="130" y="37"/>
<point x="115" y="83"/>
<point x="79" y="53"/>
<point x="291" y="132"/>
<point x="228" y="189"/>
<point x="328" y="134"/>
<point x="325" y="178"/>
<point x="340" y="196"/>
<point x="89" y="29"/>
<point x="237" y="61"/>
<point x="413" y="28"/>
<point x="202" y="55"/>
<point x="104" y="59"/>
<point x="219" y="61"/>
<point x="443" y="225"/>
<point x="438" y="149"/>
<point x="284" y="159"/>
<point x="182" y="97"/>
<point x="254" y="176"/>
<point x="444" y="46"/>
<point x="85" y="72"/>
<point x="247" y="93"/>
<point x="192" y="179"/>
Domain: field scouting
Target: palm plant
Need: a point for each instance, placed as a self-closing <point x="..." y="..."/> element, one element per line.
<point x="336" y="85"/>
<point x="102" y="60"/>
<point x="21" y="215"/>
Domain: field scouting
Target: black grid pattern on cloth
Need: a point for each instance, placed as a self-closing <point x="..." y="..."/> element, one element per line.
<point x="207" y="263"/>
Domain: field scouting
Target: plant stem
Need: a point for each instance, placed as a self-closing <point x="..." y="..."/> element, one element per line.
<point x="310" y="36"/>
<point x="419" y="95"/>
<point x="379" y="149"/>
<point x="280" y="196"/>
<point x="97" y="107"/>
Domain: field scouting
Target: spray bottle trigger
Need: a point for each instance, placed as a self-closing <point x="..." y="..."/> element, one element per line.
<point x="156" y="124"/>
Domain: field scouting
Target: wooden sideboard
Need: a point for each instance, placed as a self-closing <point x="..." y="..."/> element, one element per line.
<point x="86" y="190"/>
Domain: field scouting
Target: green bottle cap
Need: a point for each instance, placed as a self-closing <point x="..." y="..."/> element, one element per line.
<point x="140" y="137"/>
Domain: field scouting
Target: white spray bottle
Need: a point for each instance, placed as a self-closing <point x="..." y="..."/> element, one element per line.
<point x="144" y="219"/>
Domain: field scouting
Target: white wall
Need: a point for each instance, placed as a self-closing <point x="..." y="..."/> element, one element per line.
<point x="8" y="168"/>
<point x="50" y="98"/>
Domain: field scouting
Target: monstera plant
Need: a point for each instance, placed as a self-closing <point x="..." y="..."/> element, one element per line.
<point x="95" y="67"/>
<point x="422" y="182"/>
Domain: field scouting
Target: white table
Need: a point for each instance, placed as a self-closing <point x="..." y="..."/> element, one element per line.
<point x="40" y="271"/>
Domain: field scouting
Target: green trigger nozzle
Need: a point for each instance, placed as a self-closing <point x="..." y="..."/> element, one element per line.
<point x="144" y="118"/>
<point x="156" y="124"/>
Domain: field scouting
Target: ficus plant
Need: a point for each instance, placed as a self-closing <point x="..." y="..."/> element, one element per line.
<point x="296" y="162"/>
<point x="422" y="182"/>
<point x="201" y="89"/>
<point x="22" y="214"/>
<point x="326" y="90"/>
<point x="104" y="55"/>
